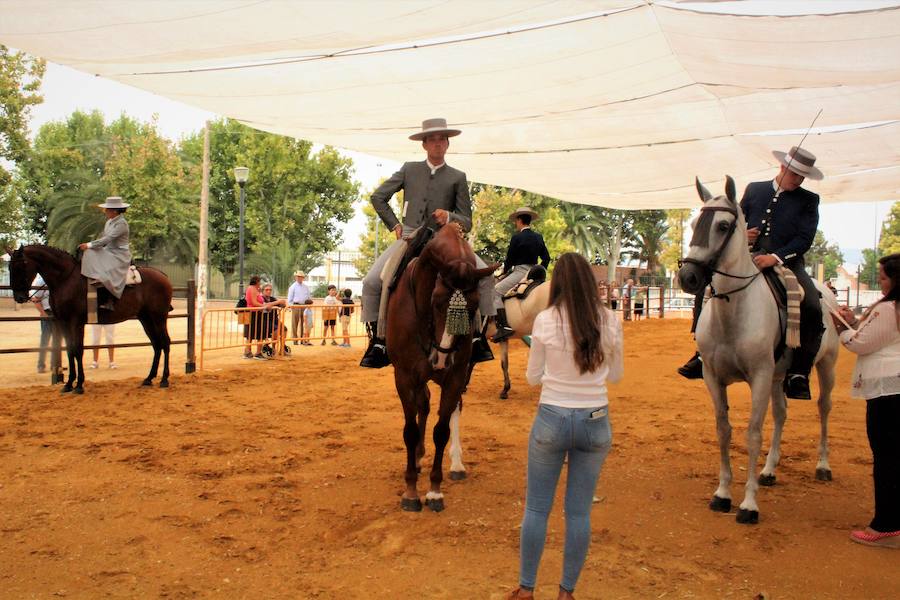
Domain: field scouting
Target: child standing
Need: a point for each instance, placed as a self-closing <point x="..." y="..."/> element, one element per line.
<point x="346" y="311"/>
<point x="329" y="314"/>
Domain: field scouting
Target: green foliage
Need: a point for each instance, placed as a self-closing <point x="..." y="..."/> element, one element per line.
<point x="20" y="82"/>
<point x="868" y="273"/>
<point x="293" y="196"/>
<point x="320" y="291"/>
<point x="650" y="228"/>
<point x="367" y="239"/>
<point x="890" y="232"/>
<point x="277" y="263"/>
<point x="821" y="252"/>
<point x="673" y="244"/>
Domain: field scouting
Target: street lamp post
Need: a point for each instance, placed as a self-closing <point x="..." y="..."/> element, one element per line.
<point x="241" y="174"/>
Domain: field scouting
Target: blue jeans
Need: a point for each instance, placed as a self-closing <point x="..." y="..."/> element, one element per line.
<point x="557" y="432"/>
<point x="46" y="332"/>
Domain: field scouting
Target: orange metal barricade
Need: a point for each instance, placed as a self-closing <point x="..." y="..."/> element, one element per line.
<point x="229" y="328"/>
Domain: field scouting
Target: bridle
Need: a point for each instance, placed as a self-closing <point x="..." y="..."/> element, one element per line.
<point x="432" y="344"/>
<point x="18" y="256"/>
<point x="709" y="266"/>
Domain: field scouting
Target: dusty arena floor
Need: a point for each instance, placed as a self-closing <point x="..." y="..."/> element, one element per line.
<point x="283" y="479"/>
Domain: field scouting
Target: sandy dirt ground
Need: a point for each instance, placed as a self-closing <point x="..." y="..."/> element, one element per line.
<point x="282" y="479"/>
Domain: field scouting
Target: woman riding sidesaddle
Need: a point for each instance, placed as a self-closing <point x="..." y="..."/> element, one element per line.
<point x="106" y="260"/>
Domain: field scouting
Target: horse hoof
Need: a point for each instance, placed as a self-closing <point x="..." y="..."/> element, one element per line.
<point x="823" y="474"/>
<point x="720" y="504"/>
<point x="504" y="396"/>
<point x="163" y="384"/>
<point x="66" y="389"/>
<point x="147" y="382"/>
<point x="411" y="504"/>
<point x="767" y="480"/>
<point x="435" y="504"/>
<point x="457" y="475"/>
<point x="78" y="390"/>
<point x="747" y="517"/>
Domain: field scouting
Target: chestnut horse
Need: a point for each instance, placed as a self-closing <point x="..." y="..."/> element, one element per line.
<point x="149" y="301"/>
<point x="430" y="320"/>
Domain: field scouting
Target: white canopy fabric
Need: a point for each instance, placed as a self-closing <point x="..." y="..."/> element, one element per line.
<point x="617" y="103"/>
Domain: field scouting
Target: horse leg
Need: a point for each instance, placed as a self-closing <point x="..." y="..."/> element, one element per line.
<point x="721" y="500"/>
<point x="411" y="399"/>
<point x="435" y="498"/>
<point x="166" y="344"/>
<point x="150" y="331"/>
<point x="457" y="468"/>
<point x="779" y="415"/>
<point x="504" y="364"/>
<point x="68" y="387"/>
<point x="424" y="408"/>
<point x="760" y="390"/>
<point x="825" y="369"/>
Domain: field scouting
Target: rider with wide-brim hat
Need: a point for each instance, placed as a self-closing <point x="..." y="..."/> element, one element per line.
<point x="106" y="260"/>
<point x="782" y="219"/>
<point x="434" y="193"/>
<point x="526" y="247"/>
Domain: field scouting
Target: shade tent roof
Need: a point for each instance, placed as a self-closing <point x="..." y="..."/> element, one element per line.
<point x="615" y="102"/>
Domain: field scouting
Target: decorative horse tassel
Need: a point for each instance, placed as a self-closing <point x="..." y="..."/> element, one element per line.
<point x="458" y="315"/>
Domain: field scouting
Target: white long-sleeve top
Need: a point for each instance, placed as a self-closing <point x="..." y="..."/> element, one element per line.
<point x="876" y="342"/>
<point x="551" y="361"/>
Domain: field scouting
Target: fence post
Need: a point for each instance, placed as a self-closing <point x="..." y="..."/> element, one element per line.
<point x="662" y="303"/>
<point x="190" y="366"/>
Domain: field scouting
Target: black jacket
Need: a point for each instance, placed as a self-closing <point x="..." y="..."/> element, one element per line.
<point x="525" y="248"/>
<point x="787" y="225"/>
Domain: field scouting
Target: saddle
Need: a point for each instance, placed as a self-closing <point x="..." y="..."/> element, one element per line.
<point x="133" y="277"/>
<point x="788" y="294"/>
<point x="535" y="277"/>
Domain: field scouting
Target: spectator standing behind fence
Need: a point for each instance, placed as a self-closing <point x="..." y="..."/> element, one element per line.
<point x="298" y="294"/>
<point x="614" y="294"/>
<point x="345" y="312"/>
<point x="640" y="298"/>
<point x="627" y="292"/>
<point x="270" y="316"/>
<point x="108" y="334"/>
<point x="41" y="300"/>
<point x="574" y="352"/>
<point x="329" y="314"/>
<point x="876" y="378"/>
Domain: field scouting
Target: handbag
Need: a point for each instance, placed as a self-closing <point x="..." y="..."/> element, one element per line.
<point x="243" y="316"/>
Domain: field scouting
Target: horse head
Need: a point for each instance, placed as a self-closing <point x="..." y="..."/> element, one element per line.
<point x="22" y="272"/>
<point x="455" y="297"/>
<point x="713" y="242"/>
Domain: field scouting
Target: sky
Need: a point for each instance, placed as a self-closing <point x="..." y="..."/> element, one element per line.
<point x="851" y="225"/>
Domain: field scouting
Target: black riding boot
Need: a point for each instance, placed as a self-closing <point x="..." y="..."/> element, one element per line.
<point x="108" y="301"/>
<point x="481" y="350"/>
<point x="692" y="369"/>
<point x="376" y="355"/>
<point x="504" y="331"/>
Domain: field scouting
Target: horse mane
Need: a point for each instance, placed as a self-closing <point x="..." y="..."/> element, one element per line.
<point x="57" y="252"/>
<point x="702" y="229"/>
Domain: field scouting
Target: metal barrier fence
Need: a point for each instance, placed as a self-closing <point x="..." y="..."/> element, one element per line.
<point x="58" y="345"/>
<point x="272" y="332"/>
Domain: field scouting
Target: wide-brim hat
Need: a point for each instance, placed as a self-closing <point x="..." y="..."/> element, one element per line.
<point x="430" y="126"/>
<point x="114" y="202"/>
<point x="801" y="162"/>
<point x="299" y="274"/>
<point x="523" y="210"/>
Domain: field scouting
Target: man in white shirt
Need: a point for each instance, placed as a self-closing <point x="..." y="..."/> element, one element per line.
<point x="298" y="294"/>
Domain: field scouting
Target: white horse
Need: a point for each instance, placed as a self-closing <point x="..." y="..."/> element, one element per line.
<point x="520" y="313"/>
<point x="737" y="334"/>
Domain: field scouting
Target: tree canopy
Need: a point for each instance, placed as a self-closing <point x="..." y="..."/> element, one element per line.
<point x="20" y="82"/>
<point x="821" y="252"/>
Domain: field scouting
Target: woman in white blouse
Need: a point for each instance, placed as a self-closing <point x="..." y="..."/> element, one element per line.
<point x="876" y="339"/>
<point x="576" y="346"/>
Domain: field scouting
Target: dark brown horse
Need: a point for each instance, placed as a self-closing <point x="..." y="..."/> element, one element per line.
<point x="429" y="338"/>
<point x="150" y="301"/>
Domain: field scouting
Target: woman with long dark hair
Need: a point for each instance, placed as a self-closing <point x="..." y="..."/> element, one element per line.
<point x="576" y="347"/>
<point x="875" y="338"/>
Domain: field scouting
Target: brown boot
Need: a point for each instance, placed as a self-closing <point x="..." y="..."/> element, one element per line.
<point x="564" y="595"/>
<point x="516" y="594"/>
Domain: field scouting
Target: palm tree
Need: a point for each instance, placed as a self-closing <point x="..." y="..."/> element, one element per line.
<point x="581" y="228"/>
<point x="279" y="261"/>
